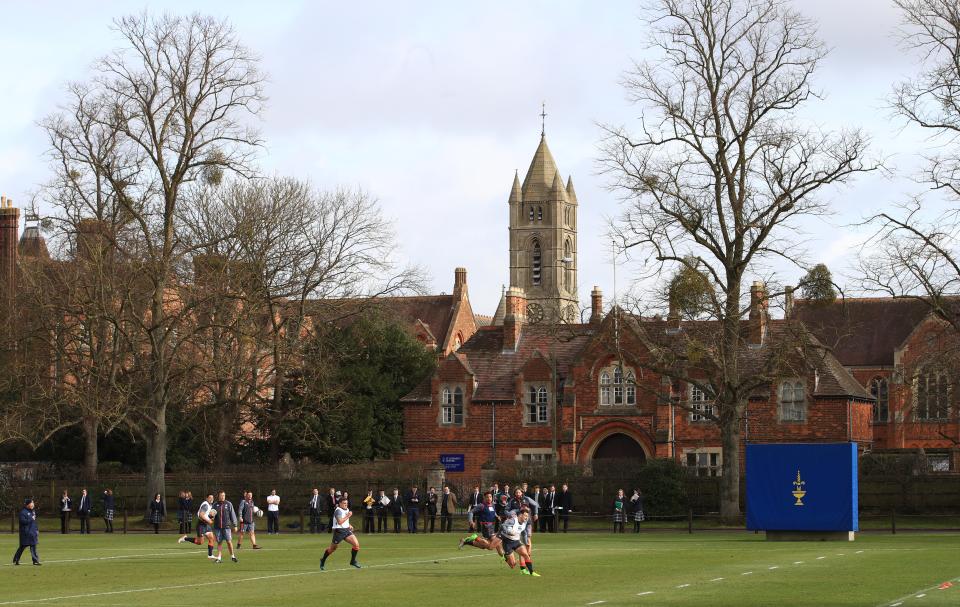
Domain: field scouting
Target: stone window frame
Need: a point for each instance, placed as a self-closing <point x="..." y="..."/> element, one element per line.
<point x="922" y="411"/>
<point x="704" y="461"/>
<point x="530" y="455"/>
<point x="617" y="388"/>
<point x="792" y="410"/>
<point x="536" y="404"/>
<point x="449" y="405"/>
<point x="536" y="263"/>
<point x="879" y="388"/>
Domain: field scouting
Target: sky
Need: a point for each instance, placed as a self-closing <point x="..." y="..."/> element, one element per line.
<point x="431" y="106"/>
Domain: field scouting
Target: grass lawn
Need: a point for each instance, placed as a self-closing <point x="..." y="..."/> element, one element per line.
<point x="654" y="568"/>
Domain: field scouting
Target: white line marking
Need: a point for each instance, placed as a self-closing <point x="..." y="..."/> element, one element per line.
<point x="841" y="554"/>
<point x="797" y="562"/>
<point x="899" y="601"/>
<point x="820" y="558"/>
<point x="122" y="556"/>
<point x="596" y="603"/>
<point x="648" y="592"/>
<point x="683" y="586"/>
<point x="222" y="582"/>
<point x="897" y="604"/>
<point x="774" y="567"/>
<point x="746" y="573"/>
<point x="859" y="552"/>
<point x="921" y="595"/>
<point x="717" y="579"/>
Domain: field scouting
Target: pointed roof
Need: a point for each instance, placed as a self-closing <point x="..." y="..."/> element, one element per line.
<point x="515" y="195"/>
<point x="501" y="312"/>
<point x="557" y="191"/>
<point x="571" y="193"/>
<point x="540" y="175"/>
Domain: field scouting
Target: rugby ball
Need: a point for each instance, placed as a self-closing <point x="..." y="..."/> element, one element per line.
<point x="258" y="511"/>
<point x="211" y="514"/>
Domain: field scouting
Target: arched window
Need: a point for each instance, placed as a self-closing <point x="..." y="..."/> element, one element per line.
<point x="457" y="342"/>
<point x="880" y="391"/>
<point x="932" y="394"/>
<point x="539" y="213"/>
<point x="618" y="387"/>
<point x="537" y="410"/>
<point x="531" y="213"/>
<point x="568" y="265"/>
<point x="793" y="401"/>
<point x="537" y="261"/>
<point x="451" y="406"/>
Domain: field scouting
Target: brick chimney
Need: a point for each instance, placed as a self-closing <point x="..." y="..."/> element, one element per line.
<point x="514" y="317"/>
<point x="757" y="325"/>
<point x="9" y="227"/>
<point x="459" y="284"/>
<point x="596" y="305"/>
<point x="788" y="302"/>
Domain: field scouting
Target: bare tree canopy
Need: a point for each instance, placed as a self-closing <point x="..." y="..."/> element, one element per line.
<point x="722" y="166"/>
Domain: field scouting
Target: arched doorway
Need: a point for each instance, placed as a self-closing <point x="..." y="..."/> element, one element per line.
<point x="620" y="447"/>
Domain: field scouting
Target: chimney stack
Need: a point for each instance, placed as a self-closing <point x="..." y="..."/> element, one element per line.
<point x="514" y="317"/>
<point x="9" y="228"/>
<point x="758" y="313"/>
<point x="788" y="302"/>
<point x="596" y="305"/>
<point x="459" y="284"/>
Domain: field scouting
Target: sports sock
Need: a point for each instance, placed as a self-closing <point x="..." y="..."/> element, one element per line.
<point x="353" y="555"/>
<point x="323" y="560"/>
<point x="209" y="549"/>
<point x="530" y="566"/>
<point x="469" y="539"/>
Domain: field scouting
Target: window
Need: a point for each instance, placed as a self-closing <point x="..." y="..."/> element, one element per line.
<point x="704" y="462"/>
<point x="700" y="405"/>
<point x="793" y="401"/>
<point x="537" y="400"/>
<point x="535" y="456"/>
<point x="539" y="213"/>
<point x="531" y="213"/>
<point x="938" y="462"/>
<point x="568" y="266"/>
<point x="932" y="396"/>
<point x="881" y="408"/>
<point x="620" y="390"/>
<point x="451" y="406"/>
<point x="457" y="342"/>
<point x="537" y="259"/>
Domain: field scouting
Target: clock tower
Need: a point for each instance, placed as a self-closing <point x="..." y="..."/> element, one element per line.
<point x="543" y="240"/>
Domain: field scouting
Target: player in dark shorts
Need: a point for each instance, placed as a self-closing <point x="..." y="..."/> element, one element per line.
<point x="204" y="528"/>
<point x="342" y="532"/>
<point x="483" y="519"/>
<point x="513" y="537"/>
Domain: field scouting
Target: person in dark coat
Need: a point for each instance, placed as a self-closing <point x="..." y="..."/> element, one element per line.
<point x="413" y="509"/>
<point x="83" y="512"/>
<point x="564" y="505"/>
<point x="182" y="511"/>
<point x="315" y="505"/>
<point x="476" y="497"/>
<point x="66" y="507"/>
<point x="188" y="511"/>
<point x="158" y="511"/>
<point x="448" y="505"/>
<point x="636" y="507"/>
<point x="432" y="499"/>
<point x="331" y="503"/>
<point x="109" y="507"/>
<point x="29" y="533"/>
<point x="381" y="507"/>
<point x="396" y="509"/>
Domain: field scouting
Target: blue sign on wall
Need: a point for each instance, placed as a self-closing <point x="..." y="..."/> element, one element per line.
<point x="452" y="462"/>
<point x="802" y="487"/>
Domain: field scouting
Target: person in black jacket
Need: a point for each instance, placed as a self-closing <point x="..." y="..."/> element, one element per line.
<point x="315" y="505"/>
<point x="549" y="511"/>
<point x="564" y="505"/>
<point x="476" y="497"/>
<point x="396" y="508"/>
<point x="66" y="507"/>
<point x="29" y="533"/>
<point x="636" y="503"/>
<point x="181" y="510"/>
<point x="188" y="511"/>
<point x="413" y="509"/>
<point x="83" y="512"/>
<point x="109" y="507"/>
<point x="158" y="511"/>
<point x="432" y="499"/>
<point x="331" y="503"/>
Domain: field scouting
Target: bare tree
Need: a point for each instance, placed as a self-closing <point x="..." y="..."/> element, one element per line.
<point x="721" y="169"/>
<point x="172" y="102"/>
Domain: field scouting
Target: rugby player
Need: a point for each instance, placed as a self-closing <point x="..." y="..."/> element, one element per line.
<point x="342" y="531"/>
<point x="513" y="535"/>
<point x="482" y="519"/>
<point x="204" y="527"/>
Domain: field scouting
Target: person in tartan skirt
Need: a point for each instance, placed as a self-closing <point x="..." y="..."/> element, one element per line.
<point x="181" y="511"/>
<point x="619" y="511"/>
<point x="188" y="511"/>
<point x="636" y="503"/>
<point x="158" y="511"/>
<point x="109" y="507"/>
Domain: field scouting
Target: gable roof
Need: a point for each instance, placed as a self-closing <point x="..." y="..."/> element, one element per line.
<point x="433" y="311"/>
<point x="862" y="332"/>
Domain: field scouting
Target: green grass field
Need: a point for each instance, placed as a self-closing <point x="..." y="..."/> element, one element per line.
<point x="656" y="568"/>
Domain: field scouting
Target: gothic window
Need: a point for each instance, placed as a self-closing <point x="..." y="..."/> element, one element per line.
<point x="568" y="265"/>
<point x="793" y="401"/>
<point x="537" y="261"/>
<point x="931" y="396"/>
<point x="618" y="388"/>
<point x="531" y="213"/>
<point x="537" y="400"/>
<point x="539" y="213"/>
<point x="451" y="406"/>
<point x="880" y="391"/>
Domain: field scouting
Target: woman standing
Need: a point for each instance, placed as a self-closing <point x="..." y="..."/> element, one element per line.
<point x="188" y="511"/>
<point x="158" y="511"/>
<point x="636" y="502"/>
<point x="619" y="511"/>
<point x="109" y="507"/>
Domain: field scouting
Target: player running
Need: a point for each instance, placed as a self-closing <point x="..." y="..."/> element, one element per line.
<point x="342" y="531"/>
<point x="482" y="519"/>
<point x="204" y="527"/>
<point x="513" y="536"/>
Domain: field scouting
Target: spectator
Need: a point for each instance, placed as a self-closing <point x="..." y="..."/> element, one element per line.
<point x="526" y="490"/>
<point x="109" y="507"/>
<point x="29" y="533"/>
<point x="158" y="511"/>
<point x="188" y="511"/>
<point x="619" y="511"/>
<point x="448" y="505"/>
<point x="331" y="504"/>
<point x="636" y="502"/>
<point x="382" y="505"/>
<point x="413" y="509"/>
<point x="432" y="500"/>
<point x="273" y="513"/>
<point x="368" y="511"/>
<point x="396" y="509"/>
<point x="182" y="512"/>
<point x="549" y="512"/>
<point x="315" y="507"/>
<point x="540" y="497"/>
<point x="564" y="505"/>
<point x="345" y="496"/>
<point x="83" y="512"/>
<point x="476" y="498"/>
<point x="66" y="507"/>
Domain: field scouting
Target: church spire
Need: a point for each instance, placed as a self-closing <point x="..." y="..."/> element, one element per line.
<point x="515" y="195"/>
<point x="571" y="193"/>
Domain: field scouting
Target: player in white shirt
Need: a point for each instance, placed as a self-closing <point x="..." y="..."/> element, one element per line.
<point x="205" y="516"/>
<point x="513" y="534"/>
<point x="342" y="531"/>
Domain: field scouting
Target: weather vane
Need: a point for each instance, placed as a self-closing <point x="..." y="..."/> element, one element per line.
<point x="543" y="118"/>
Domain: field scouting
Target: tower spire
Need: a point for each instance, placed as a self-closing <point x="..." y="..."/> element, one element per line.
<point x="543" y="118"/>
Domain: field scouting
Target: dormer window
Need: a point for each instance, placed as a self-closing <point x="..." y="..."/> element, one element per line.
<point x="793" y="401"/>
<point x="537" y="411"/>
<point x="451" y="406"/>
<point x="618" y="387"/>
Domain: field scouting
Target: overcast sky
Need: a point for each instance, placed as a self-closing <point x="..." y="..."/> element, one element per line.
<point x="430" y="106"/>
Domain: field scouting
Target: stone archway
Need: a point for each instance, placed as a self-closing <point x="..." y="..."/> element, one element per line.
<point x="619" y="446"/>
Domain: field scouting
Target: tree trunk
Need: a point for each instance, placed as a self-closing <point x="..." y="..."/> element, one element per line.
<point x="91" y="457"/>
<point x="730" y="478"/>
<point x="156" y="444"/>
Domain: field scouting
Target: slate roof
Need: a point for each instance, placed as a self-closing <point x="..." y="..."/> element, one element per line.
<point x="862" y="331"/>
<point x="434" y="311"/>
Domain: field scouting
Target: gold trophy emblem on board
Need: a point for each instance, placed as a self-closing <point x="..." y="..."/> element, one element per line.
<point x="798" y="491"/>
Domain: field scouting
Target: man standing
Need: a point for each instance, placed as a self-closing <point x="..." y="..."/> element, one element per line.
<point x="448" y="504"/>
<point x="476" y="498"/>
<point x="413" y="509"/>
<point x="273" y="513"/>
<point x="331" y="507"/>
<point x="223" y="522"/>
<point x="396" y="509"/>
<point x="29" y="533"/>
<point x="432" y="499"/>
<point x="247" y="511"/>
<point x="314" y="506"/>
<point x="549" y="511"/>
<point x="83" y="512"/>
<point x="66" y="506"/>
<point x="383" y="502"/>
<point x="564" y="505"/>
<point x="540" y="497"/>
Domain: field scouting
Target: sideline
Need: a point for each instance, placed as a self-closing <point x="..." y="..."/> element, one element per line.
<point x="913" y="594"/>
<point x="119" y="556"/>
